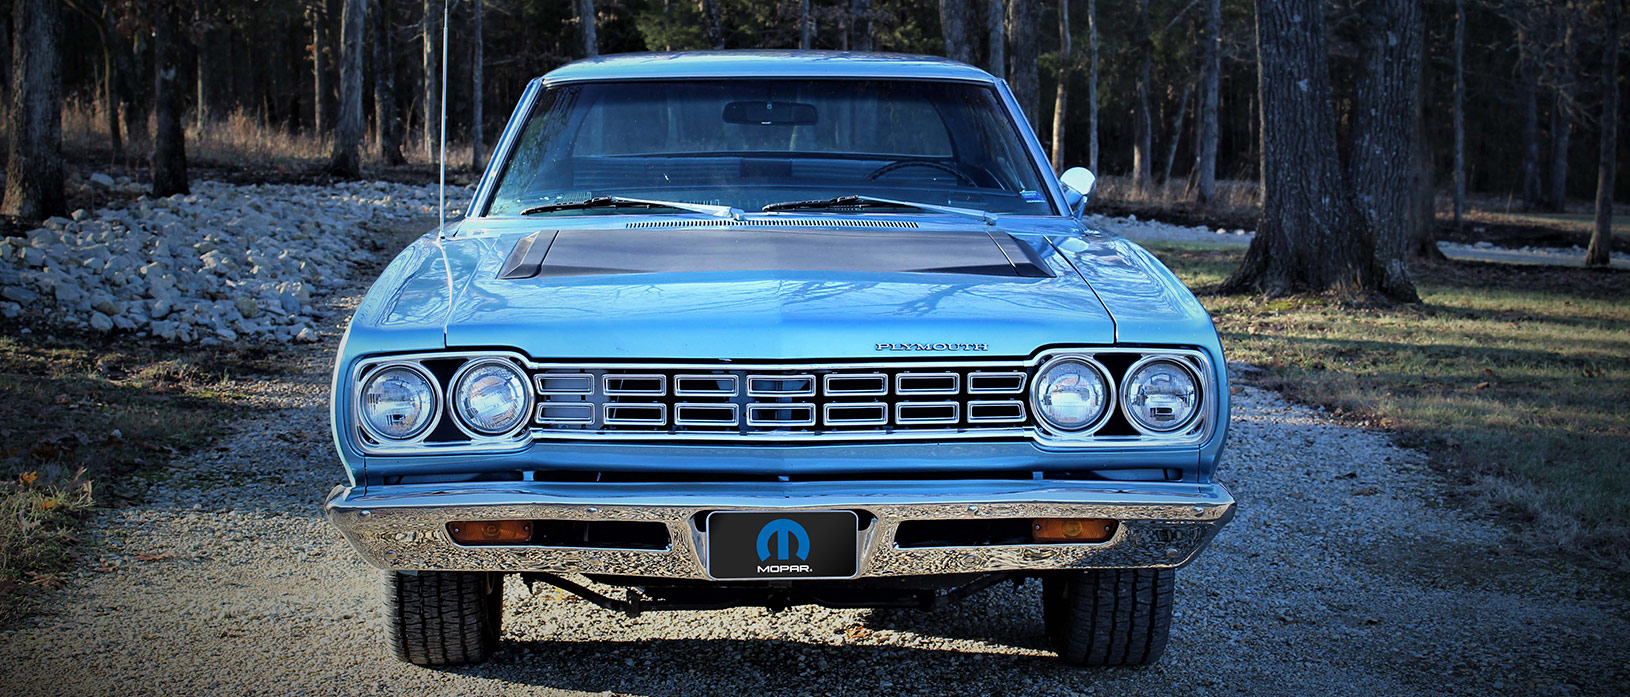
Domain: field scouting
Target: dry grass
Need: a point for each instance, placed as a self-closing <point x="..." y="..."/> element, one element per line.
<point x="241" y="140"/>
<point x="1234" y="193"/>
<point x="1513" y="378"/>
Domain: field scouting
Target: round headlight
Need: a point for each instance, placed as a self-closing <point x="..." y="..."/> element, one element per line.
<point x="490" y="396"/>
<point x="1071" y="394"/>
<point x="397" y="403"/>
<point x="1161" y="395"/>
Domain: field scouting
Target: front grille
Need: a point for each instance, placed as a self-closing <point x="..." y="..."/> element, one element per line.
<point x="785" y="400"/>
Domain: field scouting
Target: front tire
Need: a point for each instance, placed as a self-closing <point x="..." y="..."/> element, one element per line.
<point x="444" y="618"/>
<point x="1108" y="617"/>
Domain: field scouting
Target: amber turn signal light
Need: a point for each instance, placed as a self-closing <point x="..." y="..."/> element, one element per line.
<point x="490" y="532"/>
<point x="1072" y="529"/>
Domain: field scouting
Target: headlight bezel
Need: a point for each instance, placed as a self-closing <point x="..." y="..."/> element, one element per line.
<point x="1045" y="424"/>
<point x="1126" y="394"/>
<point x="463" y="372"/>
<point x="437" y="399"/>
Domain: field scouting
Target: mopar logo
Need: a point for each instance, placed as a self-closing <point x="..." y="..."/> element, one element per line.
<point x="782" y="531"/>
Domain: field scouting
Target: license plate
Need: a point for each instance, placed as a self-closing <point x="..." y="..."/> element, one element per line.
<point x="752" y="544"/>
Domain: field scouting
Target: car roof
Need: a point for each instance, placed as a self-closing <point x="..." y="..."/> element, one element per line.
<point x="749" y="64"/>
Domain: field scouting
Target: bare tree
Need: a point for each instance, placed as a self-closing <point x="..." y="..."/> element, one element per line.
<point x="806" y="26"/>
<point x="322" y="110"/>
<point x="1061" y="96"/>
<point x="1310" y="238"/>
<point x="1023" y="29"/>
<point x="587" y="34"/>
<point x="860" y="25"/>
<point x="1092" y="85"/>
<point x="1528" y="103"/>
<point x="208" y="67"/>
<point x="954" y="30"/>
<point x="1177" y="133"/>
<point x="347" y="160"/>
<point x="1459" y="116"/>
<point x="715" y="26"/>
<point x="34" y="120"/>
<point x="1143" y="126"/>
<point x="431" y="28"/>
<point x="1424" y="239"/>
<point x="387" y="123"/>
<point x="478" y="144"/>
<point x="169" y="159"/>
<point x="1601" y="240"/>
<point x="1384" y="135"/>
<point x="1562" y="110"/>
<point x="996" y="29"/>
<point x="1211" y="79"/>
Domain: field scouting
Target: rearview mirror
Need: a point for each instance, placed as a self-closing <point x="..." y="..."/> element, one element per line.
<point x="1078" y="185"/>
<point x="770" y="113"/>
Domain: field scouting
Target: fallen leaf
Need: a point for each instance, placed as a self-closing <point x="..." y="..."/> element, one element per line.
<point x="28" y="478"/>
<point x="857" y="632"/>
<point x="1481" y="386"/>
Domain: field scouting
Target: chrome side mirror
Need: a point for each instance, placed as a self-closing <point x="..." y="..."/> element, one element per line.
<point x="1078" y="184"/>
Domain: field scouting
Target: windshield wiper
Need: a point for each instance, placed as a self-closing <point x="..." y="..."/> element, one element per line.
<point x="625" y="202"/>
<point x="873" y="202"/>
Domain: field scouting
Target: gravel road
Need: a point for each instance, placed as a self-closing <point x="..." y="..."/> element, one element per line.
<point x="1344" y="573"/>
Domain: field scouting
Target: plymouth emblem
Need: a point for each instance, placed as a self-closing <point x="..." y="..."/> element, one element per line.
<point x="933" y="347"/>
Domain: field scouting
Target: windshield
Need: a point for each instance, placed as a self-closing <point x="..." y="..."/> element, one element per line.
<point x="751" y="143"/>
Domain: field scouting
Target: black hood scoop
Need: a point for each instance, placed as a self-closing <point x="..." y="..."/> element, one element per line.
<point x="560" y="253"/>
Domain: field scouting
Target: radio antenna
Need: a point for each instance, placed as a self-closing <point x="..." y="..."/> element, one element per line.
<point x="441" y="204"/>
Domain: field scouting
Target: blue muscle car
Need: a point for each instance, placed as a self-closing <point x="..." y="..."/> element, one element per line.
<point x="778" y="328"/>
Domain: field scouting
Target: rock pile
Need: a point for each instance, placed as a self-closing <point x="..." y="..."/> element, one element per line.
<point x="222" y="264"/>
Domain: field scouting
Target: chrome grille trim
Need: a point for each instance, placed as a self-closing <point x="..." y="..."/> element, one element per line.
<point x="880" y="408"/>
<point x="610" y="410"/>
<point x="584" y="408"/>
<point x="753" y="418"/>
<point x="880" y="379"/>
<point x="622" y="381"/>
<point x="980" y="382"/>
<point x="680" y="390"/>
<point x="903" y="413"/>
<point x="927" y="383"/>
<point x="564" y="383"/>
<point x="1014" y="407"/>
<point x="680" y="409"/>
<point x="753" y="382"/>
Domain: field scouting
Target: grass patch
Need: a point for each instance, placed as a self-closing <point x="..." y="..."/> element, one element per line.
<point x="85" y="422"/>
<point x="1513" y="378"/>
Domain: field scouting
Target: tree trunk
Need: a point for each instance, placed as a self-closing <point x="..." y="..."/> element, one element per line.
<point x="1092" y="86"/>
<point x="996" y="30"/>
<point x="1384" y="135"/>
<point x="1061" y="95"/>
<point x="1210" y="98"/>
<point x="478" y="136"/>
<point x="1143" y="126"/>
<point x="169" y="162"/>
<point x="954" y="30"/>
<point x="587" y="34"/>
<point x="432" y="77"/>
<point x="715" y="25"/>
<point x="34" y="124"/>
<point x="1310" y="238"/>
<point x="860" y="25"/>
<point x="207" y="67"/>
<point x="806" y="26"/>
<point x="322" y="110"/>
<point x="1601" y="240"/>
<point x="387" y="122"/>
<point x="1024" y="77"/>
<point x="347" y="160"/>
<point x="1459" y="116"/>
<point x="1424" y="241"/>
<point x="1562" y="117"/>
<point x="1177" y="133"/>
<point x="110" y="99"/>
<point x="1528" y="102"/>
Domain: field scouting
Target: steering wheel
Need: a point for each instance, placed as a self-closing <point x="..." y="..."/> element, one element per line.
<point x="902" y="164"/>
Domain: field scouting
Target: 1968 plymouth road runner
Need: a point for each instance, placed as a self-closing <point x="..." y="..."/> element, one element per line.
<point x="770" y="329"/>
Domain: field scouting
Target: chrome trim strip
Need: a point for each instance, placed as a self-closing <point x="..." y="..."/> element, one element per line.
<point x="661" y="390"/>
<point x="972" y="404"/>
<point x="587" y="379"/>
<point x="586" y="407"/>
<point x="681" y="391"/>
<point x="901" y="378"/>
<point x="680" y="420"/>
<point x="976" y="375"/>
<point x="607" y="419"/>
<point x="881" y="378"/>
<point x="901" y="407"/>
<point x="826" y="415"/>
<point x="757" y="392"/>
<point x="1162" y="525"/>
<point x="770" y="423"/>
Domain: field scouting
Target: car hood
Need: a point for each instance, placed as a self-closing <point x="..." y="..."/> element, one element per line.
<point x="555" y="292"/>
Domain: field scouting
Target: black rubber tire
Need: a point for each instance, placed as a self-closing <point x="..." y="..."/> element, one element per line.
<point x="1108" y="617"/>
<point x="444" y="618"/>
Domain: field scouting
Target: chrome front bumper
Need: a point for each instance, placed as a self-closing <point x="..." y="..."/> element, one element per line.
<point x="405" y="527"/>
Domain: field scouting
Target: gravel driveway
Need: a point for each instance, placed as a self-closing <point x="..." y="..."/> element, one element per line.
<point x="1344" y="573"/>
